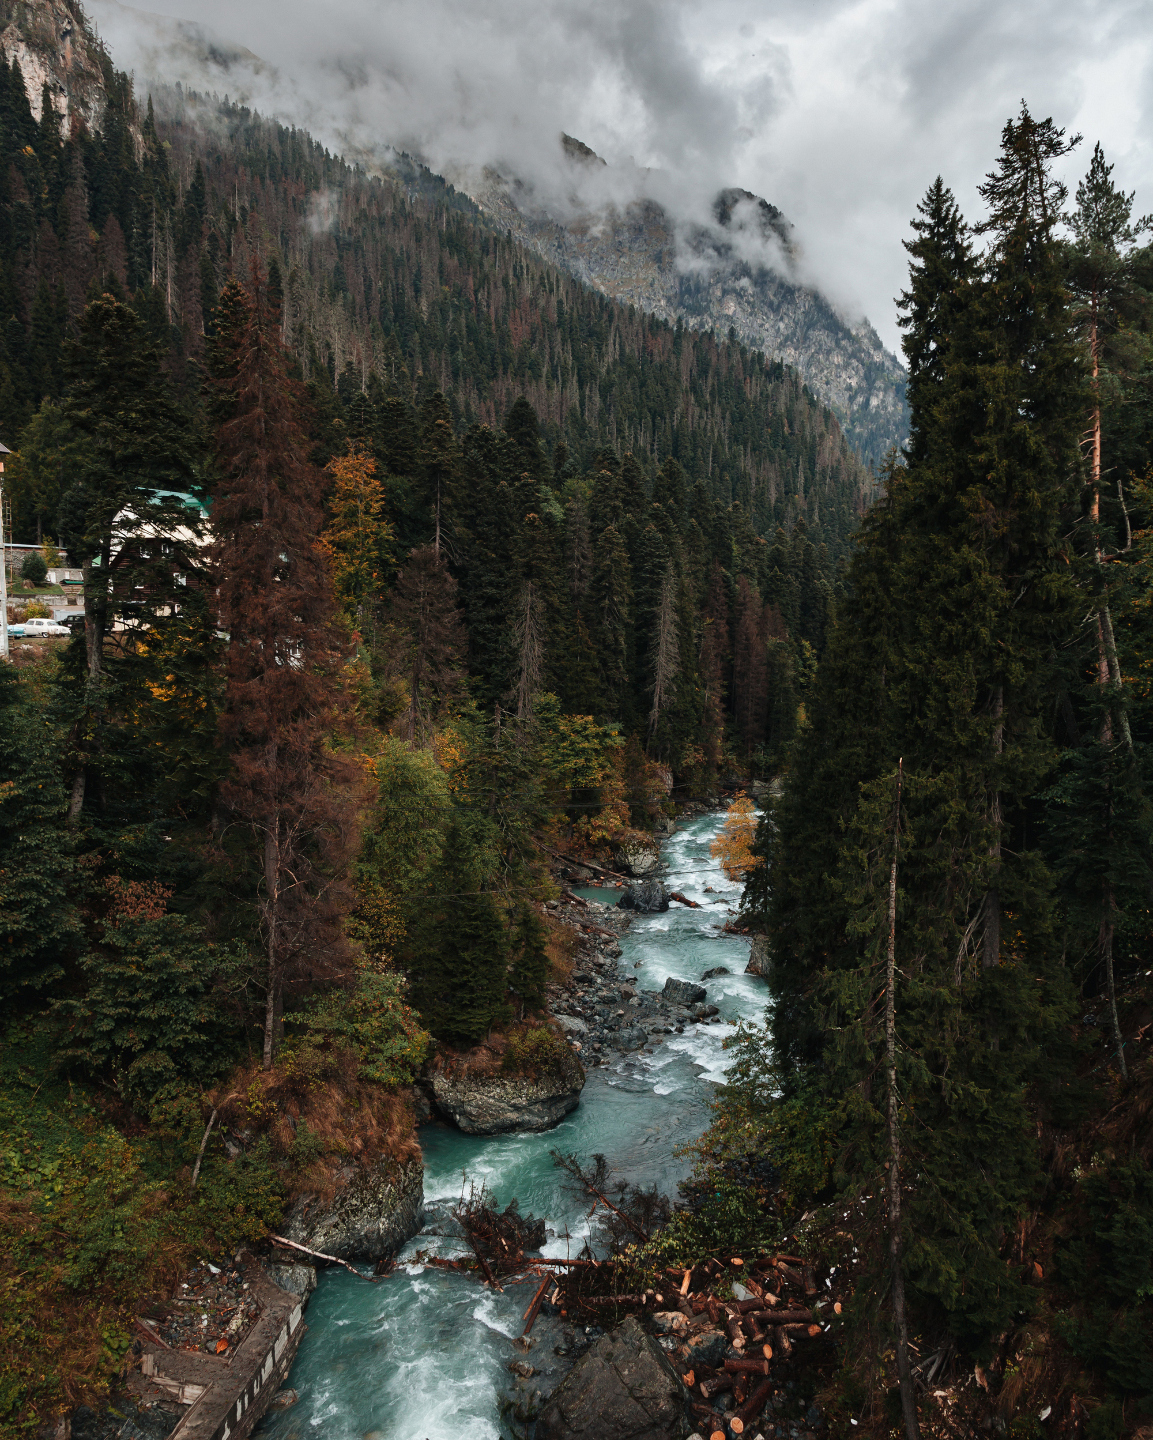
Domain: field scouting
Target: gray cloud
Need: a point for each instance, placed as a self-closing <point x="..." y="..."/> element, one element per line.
<point x="840" y="112"/>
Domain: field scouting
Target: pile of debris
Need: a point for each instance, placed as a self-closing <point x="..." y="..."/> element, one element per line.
<point x="730" y="1326"/>
<point x="212" y="1311"/>
<point x="498" y="1238"/>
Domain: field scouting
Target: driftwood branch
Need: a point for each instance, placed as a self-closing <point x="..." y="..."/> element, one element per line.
<point x="319" y="1255"/>
<point x="584" y="864"/>
<point x="529" y="1316"/>
<point x="203" y="1147"/>
<point x="575" y="1171"/>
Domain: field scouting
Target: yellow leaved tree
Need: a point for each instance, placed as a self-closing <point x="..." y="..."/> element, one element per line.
<point x="733" y="847"/>
<point x="359" y="537"/>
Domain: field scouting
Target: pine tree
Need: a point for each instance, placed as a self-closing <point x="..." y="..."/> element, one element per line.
<point x="940" y="279"/>
<point x="38" y="922"/>
<point x="611" y="606"/>
<point x="665" y="650"/>
<point x="457" y="952"/>
<point x="430" y="638"/>
<point x="529" y="970"/>
<point x="123" y="517"/>
<point x="283" y="699"/>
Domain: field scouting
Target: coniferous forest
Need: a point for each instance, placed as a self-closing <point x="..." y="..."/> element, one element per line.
<point x="409" y="563"/>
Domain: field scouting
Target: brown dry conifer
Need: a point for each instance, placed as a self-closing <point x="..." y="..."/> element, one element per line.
<point x="285" y="698"/>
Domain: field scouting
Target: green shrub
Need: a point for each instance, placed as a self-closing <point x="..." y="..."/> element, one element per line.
<point x="33" y="568"/>
<point x="372" y="1020"/>
<point x="150" y="1017"/>
<point x="535" y="1051"/>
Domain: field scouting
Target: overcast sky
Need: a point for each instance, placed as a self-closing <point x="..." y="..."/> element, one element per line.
<point x="840" y="113"/>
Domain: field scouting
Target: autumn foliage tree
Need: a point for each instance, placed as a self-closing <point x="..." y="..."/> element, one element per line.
<point x="287" y="789"/>
<point x="733" y="847"/>
<point x="358" y="539"/>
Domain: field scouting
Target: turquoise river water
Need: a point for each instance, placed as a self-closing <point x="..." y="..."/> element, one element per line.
<point x="425" y="1352"/>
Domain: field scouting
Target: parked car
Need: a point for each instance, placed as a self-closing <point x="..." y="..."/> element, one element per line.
<point x="41" y="626"/>
<point x="15" y="632"/>
<point x="73" y="622"/>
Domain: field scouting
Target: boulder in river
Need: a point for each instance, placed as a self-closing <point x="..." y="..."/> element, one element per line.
<point x="637" y="856"/>
<point x="377" y="1209"/>
<point x="684" y="992"/>
<point x="759" y="961"/>
<point x="715" y="972"/>
<point x="648" y="897"/>
<point x="623" y="1389"/>
<point x="630" y="1037"/>
<point x="296" y="1279"/>
<point x="481" y="1104"/>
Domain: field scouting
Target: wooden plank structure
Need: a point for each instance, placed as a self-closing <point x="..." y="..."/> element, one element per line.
<point x="228" y="1395"/>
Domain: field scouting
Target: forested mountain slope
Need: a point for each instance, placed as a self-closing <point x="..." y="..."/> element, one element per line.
<point x="705" y="277"/>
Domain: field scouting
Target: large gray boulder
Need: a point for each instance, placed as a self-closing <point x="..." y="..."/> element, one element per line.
<point x="684" y="992"/>
<point x="759" y="961"/>
<point x="630" y="1037"/>
<point x="377" y="1208"/>
<point x="571" y="1025"/>
<point x="623" y="1389"/>
<point x="637" y="856"/>
<point x="648" y="897"/>
<point x="496" y="1104"/>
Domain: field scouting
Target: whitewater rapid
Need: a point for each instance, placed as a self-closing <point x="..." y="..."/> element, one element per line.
<point x="424" y="1354"/>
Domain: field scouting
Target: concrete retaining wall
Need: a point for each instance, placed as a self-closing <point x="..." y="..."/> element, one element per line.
<point x="229" y="1395"/>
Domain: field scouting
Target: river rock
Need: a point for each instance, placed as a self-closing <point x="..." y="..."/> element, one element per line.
<point x="496" y="1104"/>
<point x="759" y="961"/>
<point x="623" y="1389"/>
<point x="648" y="897"/>
<point x="296" y="1279"/>
<point x="684" y="992"/>
<point x="377" y="1209"/>
<point x="638" y="857"/>
<point x="716" y="971"/>
<point x="571" y="1025"/>
<point x="630" y="1037"/>
<point x="707" y="1349"/>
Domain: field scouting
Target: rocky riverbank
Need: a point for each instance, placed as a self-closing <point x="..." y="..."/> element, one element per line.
<point x="605" y="1008"/>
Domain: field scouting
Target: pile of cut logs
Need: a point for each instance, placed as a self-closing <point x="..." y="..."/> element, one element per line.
<point x="777" y="1307"/>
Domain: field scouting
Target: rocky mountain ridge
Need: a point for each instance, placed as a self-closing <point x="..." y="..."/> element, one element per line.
<point x="52" y="45"/>
<point x="636" y="254"/>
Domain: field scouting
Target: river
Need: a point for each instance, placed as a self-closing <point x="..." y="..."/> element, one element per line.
<point x="424" y="1355"/>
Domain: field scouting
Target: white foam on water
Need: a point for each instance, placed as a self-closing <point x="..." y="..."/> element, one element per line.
<point x="485" y="1312"/>
<point x="424" y="1356"/>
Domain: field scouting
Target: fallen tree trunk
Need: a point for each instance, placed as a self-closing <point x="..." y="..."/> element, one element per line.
<point x="319" y="1255"/>
<point x="681" y="900"/>
<point x="529" y="1316"/>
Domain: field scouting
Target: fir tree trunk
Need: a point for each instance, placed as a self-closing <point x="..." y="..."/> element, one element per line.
<point x="904" y="1372"/>
<point x="272" y="891"/>
<point x="1105" y="945"/>
<point x="95" y="621"/>
<point x="991" y="952"/>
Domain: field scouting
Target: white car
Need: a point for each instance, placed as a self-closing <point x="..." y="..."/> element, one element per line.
<point x="40" y="626"/>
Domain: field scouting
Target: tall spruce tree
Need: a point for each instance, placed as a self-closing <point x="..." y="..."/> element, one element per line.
<point x="287" y="789"/>
<point x="961" y="592"/>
